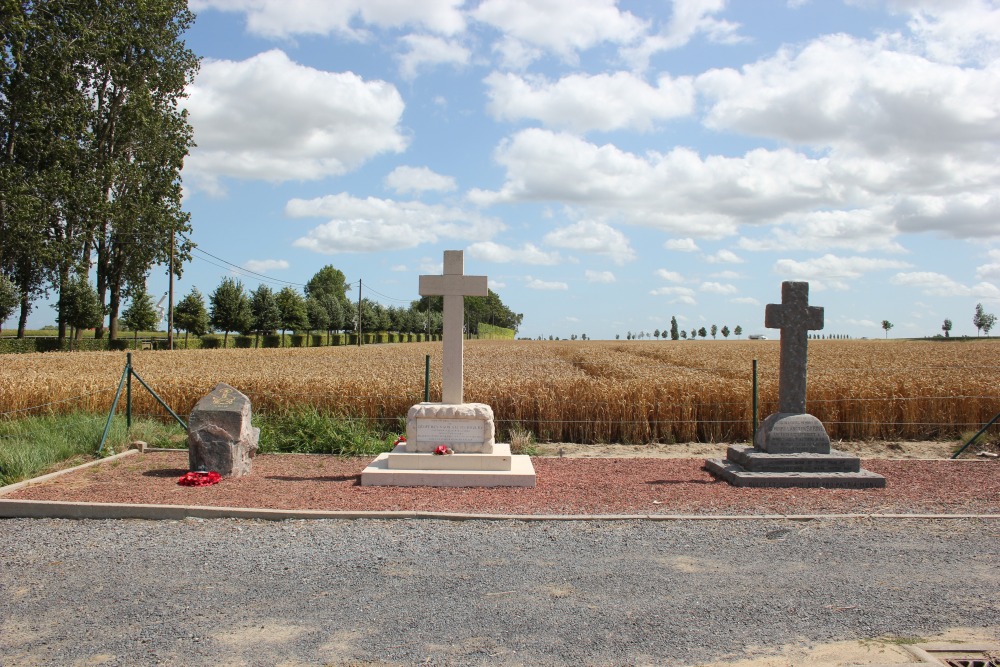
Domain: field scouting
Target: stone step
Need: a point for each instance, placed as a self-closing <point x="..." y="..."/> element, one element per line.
<point x="500" y="459"/>
<point x="521" y="474"/>
<point x="754" y="460"/>
<point x="737" y="475"/>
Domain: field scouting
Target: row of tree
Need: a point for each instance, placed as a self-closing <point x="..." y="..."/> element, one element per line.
<point x="676" y="333"/>
<point x="92" y="141"/>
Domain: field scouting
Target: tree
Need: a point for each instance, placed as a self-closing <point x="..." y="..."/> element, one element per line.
<point x="319" y="318"/>
<point x="738" y="331"/>
<point x="265" y="315"/>
<point x="141" y="314"/>
<point x="656" y="333"/>
<point x="674" y="334"/>
<point x="191" y="315"/>
<point x="714" y="331"/>
<point x="946" y="328"/>
<point x="702" y="332"/>
<point x="9" y="298"/>
<point x="725" y="331"/>
<point x="684" y="334"/>
<point x="292" y="309"/>
<point x="230" y="308"/>
<point x="886" y="324"/>
<point x="81" y="307"/>
<point x="982" y="320"/>
<point x="330" y="283"/>
<point x="694" y="333"/>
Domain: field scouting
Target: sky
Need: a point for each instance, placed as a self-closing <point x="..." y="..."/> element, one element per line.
<point x="606" y="164"/>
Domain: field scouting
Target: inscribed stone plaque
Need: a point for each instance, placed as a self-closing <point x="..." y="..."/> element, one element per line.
<point x="784" y="433"/>
<point x="450" y="431"/>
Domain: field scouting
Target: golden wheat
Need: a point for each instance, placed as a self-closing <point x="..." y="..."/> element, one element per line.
<point x="604" y="391"/>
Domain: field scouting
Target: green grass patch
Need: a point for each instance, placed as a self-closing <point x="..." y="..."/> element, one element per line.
<point x="36" y="445"/>
<point x="306" y="430"/>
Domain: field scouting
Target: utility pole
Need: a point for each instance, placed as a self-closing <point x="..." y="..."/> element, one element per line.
<point x="170" y="293"/>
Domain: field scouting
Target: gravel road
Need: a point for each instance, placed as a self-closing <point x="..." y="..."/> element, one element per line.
<point x="232" y="592"/>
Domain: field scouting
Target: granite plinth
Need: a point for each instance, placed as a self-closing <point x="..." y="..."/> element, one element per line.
<point x="220" y="435"/>
<point x="735" y="474"/>
<point x="786" y="433"/>
<point x="754" y="460"/>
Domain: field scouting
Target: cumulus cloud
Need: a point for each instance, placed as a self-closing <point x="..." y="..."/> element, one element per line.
<point x="583" y="103"/>
<point x="669" y="276"/>
<point x="860" y="230"/>
<point x="528" y="253"/>
<point x="281" y="19"/>
<point x="688" y="19"/>
<point x="561" y="27"/>
<point x="372" y="224"/>
<point x="599" y="276"/>
<point x="833" y="271"/>
<point x="681" y="245"/>
<point x="938" y="284"/>
<point x="535" y="283"/>
<point x="724" y="257"/>
<point x="990" y="270"/>
<point x="264" y="265"/>
<point x="673" y="291"/>
<point x="418" y="179"/>
<point x="718" y="288"/>
<point x="593" y="237"/>
<point x="955" y="31"/>
<point x="268" y="118"/>
<point x="424" y="51"/>
<point x="746" y="300"/>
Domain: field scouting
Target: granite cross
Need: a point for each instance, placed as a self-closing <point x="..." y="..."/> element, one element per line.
<point x="795" y="317"/>
<point x="454" y="286"/>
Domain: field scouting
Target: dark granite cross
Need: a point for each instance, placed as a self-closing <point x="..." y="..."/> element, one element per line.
<point x="795" y="317"/>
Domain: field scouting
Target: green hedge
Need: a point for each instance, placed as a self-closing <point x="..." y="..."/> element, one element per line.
<point x="243" y="342"/>
<point x="211" y="342"/>
<point x="271" y="340"/>
<point x="298" y="340"/>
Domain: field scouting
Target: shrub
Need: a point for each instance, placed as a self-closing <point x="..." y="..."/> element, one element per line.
<point x="298" y="340"/>
<point x="211" y="342"/>
<point x="243" y="341"/>
<point x="316" y="340"/>
<point x="271" y="340"/>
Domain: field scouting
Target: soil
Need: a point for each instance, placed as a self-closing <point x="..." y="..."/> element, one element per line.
<point x="926" y="449"/>
<point x="587" y="479"/>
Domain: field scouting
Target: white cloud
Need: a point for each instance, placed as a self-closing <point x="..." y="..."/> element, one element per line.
<point x="868" y="324"/>
<point x="938" y="284"/>
<point x="832" y="271"/>
<point x="990" y="270"/>
<point x="860" y="230"/>
<point x="724" y="257"/>
<point x="528" y="253"/>
<point x="672" y="291"/>
<point x="268" y="118"/>
<point x="747" y="300"/>
<point x="670" y="276"/>
<point x="689" y="18"/>
<point x="428" y="51"/>
<point x="281" y="18"/>
<point x="399" y="268"/>
<point x="496" y="284"/>
<point x="371" y="224"/>
<point x="956" y="31"/>
<point x="681" y="245"/>
<point x="718" y="288"/>
<point x="727" y="275"/>
<point x="593" y="237"/>
<point x="561" y="27"/>
<point x="599" y="276"/>
<point x="418" y="179"/>
<point x="264" y="265"/>
<point x="582" y="103"/>
<point x="535" y="283"/>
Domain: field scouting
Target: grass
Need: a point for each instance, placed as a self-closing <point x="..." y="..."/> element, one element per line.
<point x="308" y="430"/>
<point x="36" y="445"/>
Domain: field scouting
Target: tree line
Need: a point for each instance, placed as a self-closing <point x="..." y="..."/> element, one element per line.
<point x="92" y="141"/>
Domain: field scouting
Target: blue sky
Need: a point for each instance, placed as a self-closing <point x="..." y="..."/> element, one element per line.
<point x="607" y="165"/>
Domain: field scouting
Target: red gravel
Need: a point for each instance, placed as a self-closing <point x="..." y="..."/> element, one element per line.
<point x="565" y="486"/>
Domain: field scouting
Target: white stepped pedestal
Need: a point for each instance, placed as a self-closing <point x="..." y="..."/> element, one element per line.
<point x="499" y="468"/>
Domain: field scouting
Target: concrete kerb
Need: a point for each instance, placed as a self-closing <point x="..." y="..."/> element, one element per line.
<point x="54" y="509"/>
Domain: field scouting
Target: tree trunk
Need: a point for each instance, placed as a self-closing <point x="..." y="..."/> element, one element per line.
<point x="22" y="321"/>
<point x="63" y="281"/>
<point x="114" y="303"/>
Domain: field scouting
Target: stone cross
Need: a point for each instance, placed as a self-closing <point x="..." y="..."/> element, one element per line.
<point x="454" y="286"/>
<point x="795" y="317"/>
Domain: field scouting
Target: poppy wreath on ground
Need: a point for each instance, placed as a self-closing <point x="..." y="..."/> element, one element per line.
<point x="401" y="440"/>
<point x="199" y="478"/>
<point x="442" y="450"/>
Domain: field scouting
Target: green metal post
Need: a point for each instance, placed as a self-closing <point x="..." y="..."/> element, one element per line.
<point x="114" y="406"/>
<point x="128" y="390"/>
<point x="427" y="379"/>
<point x="753" y="435"/>
<point x="973" y="438"/>
<point x="160" y="400"/>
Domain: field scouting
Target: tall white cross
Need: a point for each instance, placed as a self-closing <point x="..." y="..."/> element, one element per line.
<point x="796" y="318"/>
<point x="454" y="286"/>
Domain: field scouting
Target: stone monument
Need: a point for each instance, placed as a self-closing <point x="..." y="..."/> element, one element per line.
<point x="791" y="446"/>
<point x="465" y="430"/>
<point x="220" y="436"/>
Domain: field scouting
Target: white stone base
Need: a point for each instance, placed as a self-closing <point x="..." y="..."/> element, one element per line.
<point x="454" y="470"/>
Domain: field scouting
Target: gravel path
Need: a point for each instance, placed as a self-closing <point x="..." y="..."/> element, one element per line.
<point x="231" y="592"/>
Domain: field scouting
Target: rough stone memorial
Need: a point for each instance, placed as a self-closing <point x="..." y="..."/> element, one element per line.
<point x="791" y="447"/>
<point x="220" y="436"/>
<point x="467" y="430"/>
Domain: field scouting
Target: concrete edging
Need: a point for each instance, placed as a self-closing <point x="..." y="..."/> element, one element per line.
<point x="10" y="488"/>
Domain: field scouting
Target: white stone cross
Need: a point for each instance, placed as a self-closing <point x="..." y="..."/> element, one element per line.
<point x="454" y="286"/>
<point x="795" y="317"/>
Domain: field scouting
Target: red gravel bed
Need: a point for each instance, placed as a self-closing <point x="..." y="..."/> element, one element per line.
<point x="565" y="486"/>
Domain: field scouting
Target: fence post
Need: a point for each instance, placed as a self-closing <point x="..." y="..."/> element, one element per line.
<point x="128" y="390"/>
<point x="427" y="379"/>
<point x="973" y="438"/>
<point x="753" y="433"/>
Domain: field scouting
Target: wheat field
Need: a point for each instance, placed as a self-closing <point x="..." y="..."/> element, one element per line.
<point x="586" y="391"/>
